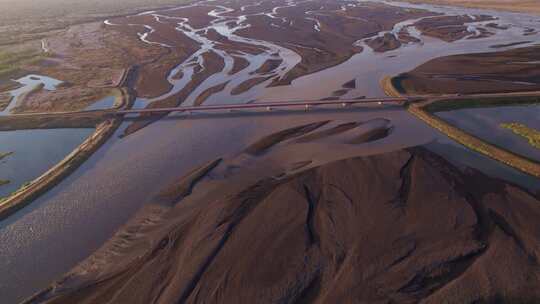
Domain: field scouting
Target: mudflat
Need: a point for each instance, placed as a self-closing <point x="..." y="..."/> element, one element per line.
<point x="494" y="72"/>
<point x="358" y="228"/>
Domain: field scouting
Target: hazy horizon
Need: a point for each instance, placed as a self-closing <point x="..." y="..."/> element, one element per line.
<point x="12" y="10"/>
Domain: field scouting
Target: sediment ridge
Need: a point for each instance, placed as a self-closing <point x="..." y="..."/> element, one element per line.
<point x="361" y="229"/>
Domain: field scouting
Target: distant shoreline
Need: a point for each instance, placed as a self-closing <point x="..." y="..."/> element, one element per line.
<point x="516" y="6"/>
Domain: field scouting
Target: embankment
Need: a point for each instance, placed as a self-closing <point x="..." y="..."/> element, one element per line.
<point x="360" y="230"/>
<point x="423" y="112"/>
<point x="474" y="143"/>
<point x="53" y="176"/>
<point x="389" y="88"/>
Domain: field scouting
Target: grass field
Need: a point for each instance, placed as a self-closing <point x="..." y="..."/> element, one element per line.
<point x="531" y="135"/>
<point x="4" y="155"/>
<point x="11" y="62"/>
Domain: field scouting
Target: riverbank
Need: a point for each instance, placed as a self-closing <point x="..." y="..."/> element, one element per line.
<point x="389" y="88"/>
<point x="424" y="111"/>
<point x="474" y="143"/>
<point x="506" y="71"/>
<point x="28" y="192"/>
<point x="105" y="125"/>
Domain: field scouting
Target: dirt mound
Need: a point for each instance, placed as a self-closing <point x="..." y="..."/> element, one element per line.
<point x="399" y="227"/>
<point x="386" y="43"/>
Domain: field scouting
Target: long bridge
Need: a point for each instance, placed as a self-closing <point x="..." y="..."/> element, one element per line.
<point x="97" y="115"/>
<point x="269" y="105"/>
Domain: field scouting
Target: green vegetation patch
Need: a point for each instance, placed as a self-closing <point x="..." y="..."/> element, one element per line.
<point x="4" y="182"/>
<point x="500" y="154"/>
<point x="11" y="62"/>
<point x="4" y="155"/>
<point x="532" y="135"/>
<point x="458" y="104"/>
<point x="5" y="100"/>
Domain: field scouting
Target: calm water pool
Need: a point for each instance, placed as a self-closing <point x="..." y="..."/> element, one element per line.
<point x="485" y="123"/>
<point x="34" y="152"/>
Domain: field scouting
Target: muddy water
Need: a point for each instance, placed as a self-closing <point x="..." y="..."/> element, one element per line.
<point x="127" y="173"/>
<point x="226" y="26"/>
<point x="102" y="104"/>
<point x="368" y="67"/>
<point x="50" y="236"/>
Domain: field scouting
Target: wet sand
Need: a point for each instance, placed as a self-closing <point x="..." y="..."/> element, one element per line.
<point x="516" y="70"/>
<point x="122" y="165"/>
<point x="235" y="33"/>
<point x="451" y="28"/>
<point x="296" y="198"/>
<point x="209" y="92"/>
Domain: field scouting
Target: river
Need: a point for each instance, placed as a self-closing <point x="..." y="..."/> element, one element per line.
<point x="64" y="226"/>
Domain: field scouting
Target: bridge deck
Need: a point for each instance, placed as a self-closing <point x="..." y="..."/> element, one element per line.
<point x="264" y="105"/>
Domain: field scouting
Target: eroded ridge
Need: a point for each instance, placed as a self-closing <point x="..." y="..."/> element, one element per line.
<point x="369" y="228"/>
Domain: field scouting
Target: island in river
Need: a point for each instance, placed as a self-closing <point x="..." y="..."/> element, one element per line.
<point x="326" y="206"/>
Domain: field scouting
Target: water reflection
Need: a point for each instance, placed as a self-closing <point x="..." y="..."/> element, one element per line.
<point x="34" y="152"/>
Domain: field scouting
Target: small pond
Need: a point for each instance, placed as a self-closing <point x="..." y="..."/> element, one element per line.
<point x="486" y="123"/>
